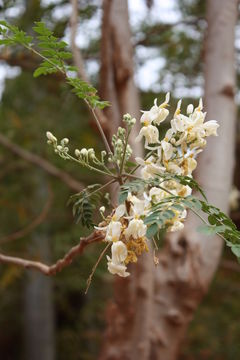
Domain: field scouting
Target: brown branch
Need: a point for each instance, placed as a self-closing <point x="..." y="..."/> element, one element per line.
<point x="96" y="236"/>
<point x="29" y="228"/>
<point x="44" y="164"/>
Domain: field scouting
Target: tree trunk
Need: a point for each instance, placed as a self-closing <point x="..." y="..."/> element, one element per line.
<point x="128" y="316"/>
<point x="152" y="308"/>
<point x="190" y="260"/>
<point x="38" y="296"/>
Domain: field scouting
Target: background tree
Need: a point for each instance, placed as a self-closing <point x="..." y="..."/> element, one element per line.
<point x="174" y="43"/>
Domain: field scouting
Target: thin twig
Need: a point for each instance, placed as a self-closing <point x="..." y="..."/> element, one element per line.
<point x="98" y="115"/>
<point x="96" y="236"/>
<point x="89" y="280"/>
<point x="44" y="164"/>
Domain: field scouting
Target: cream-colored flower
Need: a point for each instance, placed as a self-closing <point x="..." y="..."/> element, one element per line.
<point x="210" y="127"/>
<point x="116" y="263"/>
<point x="113" y="232"/>
<point x="177" y="225"/>
<point x="167" y="150"/>
<point x="150" y="167"/>
<point x="138" y="206"/>
<point x="173" y="168"/>
<point x="117" y="269"/>
<point x="156" y="194"/>
<point x="156" y="114"/>
<point x="150" y="133"/>
<point x="119" y="252"/>
<point x="136" y="228"/>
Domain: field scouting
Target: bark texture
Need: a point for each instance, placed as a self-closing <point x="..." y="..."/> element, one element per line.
<point x="129" y="315"/>
<point x="152" y="308"/>
<point x="190" y="260"/>
<point x="39" y="327"/>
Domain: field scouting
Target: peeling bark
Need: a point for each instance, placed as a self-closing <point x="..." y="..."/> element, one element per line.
<point x="190" y="260"/>
<point x="129" y="315"/>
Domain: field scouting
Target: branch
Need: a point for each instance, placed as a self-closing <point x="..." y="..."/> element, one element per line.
<point x="96" y="236"/>
<point x="44" y="164"/>
<point x="78" y="60"/>
<point x="29" y="228"/>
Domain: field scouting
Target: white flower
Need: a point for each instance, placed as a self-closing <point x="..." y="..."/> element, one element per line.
<point x="119" y="252"/>
<point x="189" y="165"/>
<point x="190" y="109"/>
<point x="51" y="137"/>
<point x="119" y="269"/>
<point x="102" y="209"/>
<point x="179" y="123"/>
<point x="210" y="127"/>
<point x="156" y="114"/>
<point x="156" y="194"/>
<point x="177" y="225"/>
<point x="113" y="232"/>
<point x="137" y="205"/>
<point x="136" y="228"/>
<point x="116" y="263"/>
<point x="167" y="150"/>
<point x="174" y="168"/>
<point x="150" y="133"/>
<point x="119" y="212"/>
<point x="150" y="168"/>
<point x="146" y="118"/>
<point x="114" y="228"/>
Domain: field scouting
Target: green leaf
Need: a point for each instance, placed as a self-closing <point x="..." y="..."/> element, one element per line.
<point x="84" y="204"/>
<point x="152" y="230"/>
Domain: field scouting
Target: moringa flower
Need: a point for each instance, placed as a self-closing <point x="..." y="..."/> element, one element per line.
<point x="136" y="228"/>
<point x="116" y="263"/>
<point x="210" y="127"/>
<point x="150" y="133"/>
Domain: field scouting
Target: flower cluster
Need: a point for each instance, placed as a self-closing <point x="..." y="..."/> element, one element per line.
<point x="175" y="154"/>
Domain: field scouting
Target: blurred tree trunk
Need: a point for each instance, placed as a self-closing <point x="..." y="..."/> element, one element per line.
<point x="38" y="295"/>
<point x="151" y="313"/>
<point x="190" y="260"/>
<point x="128" y="316"/>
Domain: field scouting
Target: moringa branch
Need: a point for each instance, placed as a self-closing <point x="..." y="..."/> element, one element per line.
<point x="96" y="236"/>
<point x="44" y="164"/>
<point x="79" y="63"/>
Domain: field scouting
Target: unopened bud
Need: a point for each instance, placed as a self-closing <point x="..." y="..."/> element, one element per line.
<point x="65" y="141"/>
<point x="77" y="153"/>
<point x="84" y="152"/>
<point x="190" y="109"/>
<point x="91" y="153"/>
<point x="51" y="137"/>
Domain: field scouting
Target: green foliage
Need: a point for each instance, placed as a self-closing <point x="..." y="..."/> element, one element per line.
<point x="54" y="56"/>
<point x="216" y="223"/>
<point x="85" y="203"/>
<point x="134" y="186"/>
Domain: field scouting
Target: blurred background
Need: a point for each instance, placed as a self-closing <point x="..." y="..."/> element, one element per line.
<point x="53" y="313"/>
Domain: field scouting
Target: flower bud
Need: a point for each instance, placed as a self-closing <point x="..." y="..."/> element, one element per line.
<point x="84" y="152"/>
<point x="190" y="109"/>
<point x="127" y="118"/>
<point x="51" y="137"/>
<point x="77" y="153"/>
<point x="65" y="141"/>
<point x="91" y="153"/>
<point x="102" y="209"/>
